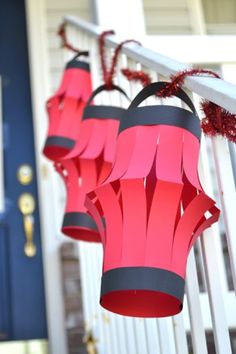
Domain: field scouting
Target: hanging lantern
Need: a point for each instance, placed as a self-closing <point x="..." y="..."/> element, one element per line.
<point x="88" y="165"/>
<point x="65" y="109"/>
<point x="154" y="208"/>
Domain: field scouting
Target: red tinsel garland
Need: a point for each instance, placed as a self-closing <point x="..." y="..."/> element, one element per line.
<point x="177" y="80"/>
<point x="137" y="75"/>
<point x="108" y="74"/>
<point x="65" y="44"/>
<point x="218" y="121"/>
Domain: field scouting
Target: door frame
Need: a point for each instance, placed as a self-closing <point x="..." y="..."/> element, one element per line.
<point x="51" y="238"/>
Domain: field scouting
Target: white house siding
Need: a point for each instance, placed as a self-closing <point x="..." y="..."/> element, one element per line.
<point x="168" y="17"/>
<point x="220" y="16"/>
<point x="55" y="10"/>
<point x="218" y="11"/>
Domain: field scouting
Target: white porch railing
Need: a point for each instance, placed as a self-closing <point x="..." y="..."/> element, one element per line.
<point x="210" y="306"/>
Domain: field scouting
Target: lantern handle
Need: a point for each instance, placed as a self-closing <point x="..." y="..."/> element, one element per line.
<point x="154" y="88"/>
<point x="82" y="53"/>
<point x="104" y="88"/>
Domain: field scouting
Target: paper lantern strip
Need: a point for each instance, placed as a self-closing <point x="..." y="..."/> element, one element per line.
<point x="65" y="110"/>
<point x="98" y="136"/>
<point x="154" y="208"/>
<point x="99" y="130"/>
<point x="77" y="222"/>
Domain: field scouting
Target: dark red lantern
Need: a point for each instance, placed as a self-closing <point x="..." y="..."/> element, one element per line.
<point x="65" y="109"/>
<point x="88" y="165"/>
<point x="154" y="208"/>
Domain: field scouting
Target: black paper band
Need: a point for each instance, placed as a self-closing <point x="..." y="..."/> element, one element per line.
<point x="103" y="112"/>
<point x="78" y="64"/>
<point x="59" y="141"/>
<point x="79" y="219"/>
<point x="161" y="115"/>
<point x="143" y="278"/>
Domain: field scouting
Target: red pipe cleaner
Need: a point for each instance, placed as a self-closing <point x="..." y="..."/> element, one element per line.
<point x="108" y="74"/>
<point x="101" y="41"/>
<point x="64" y="42"/>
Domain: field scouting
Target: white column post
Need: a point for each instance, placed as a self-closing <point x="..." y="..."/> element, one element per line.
<point x="126" y="17"/>
<point x="40" y="88"/>
<point x="197" y="18"/>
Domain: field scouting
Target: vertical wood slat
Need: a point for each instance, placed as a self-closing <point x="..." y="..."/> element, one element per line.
<point x="227" y="195"/>
<point x="181" y="344"/>
<point x="166" y="335"/>
<point x="121" y="334"/>
<point x="104" y="342"/>
<point x="93" y="255"/>
<point x="131" y="342"/>
<point x="232" y="149"/>
<point x="96" y="329"/>
<point x="90" y="285"/>
<point x="216" y="299"/>
<point x="194" y="307"/>
<point x="152" y="336"/>
<point x="84" y="287"/>
<point x="139" y="328"/>
<point x="104" y="338"/>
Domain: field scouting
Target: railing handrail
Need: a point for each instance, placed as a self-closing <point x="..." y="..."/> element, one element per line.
<point x="216" y="90"/>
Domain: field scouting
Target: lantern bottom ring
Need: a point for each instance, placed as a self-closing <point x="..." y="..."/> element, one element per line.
<point x="80" y="226"/>
<point x="142" y="292"/>
<point x="57" y="147"/>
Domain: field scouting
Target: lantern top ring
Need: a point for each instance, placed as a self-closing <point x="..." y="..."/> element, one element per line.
<point x="161" y="115"/>
<point x="78" y="64"/>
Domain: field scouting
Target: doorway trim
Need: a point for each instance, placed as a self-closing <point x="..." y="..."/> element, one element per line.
<point x="51" y="239"/>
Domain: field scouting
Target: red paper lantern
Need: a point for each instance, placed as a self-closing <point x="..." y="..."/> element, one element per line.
<point x="65" y="109"/>
<point x="88" y="165"/>
<point x="154" y="209"/>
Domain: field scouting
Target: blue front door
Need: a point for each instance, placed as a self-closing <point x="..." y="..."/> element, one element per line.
<point x="22" y="299"/>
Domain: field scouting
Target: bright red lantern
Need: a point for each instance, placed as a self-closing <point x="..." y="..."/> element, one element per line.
<point x="65" y="109"/>
<point x="88" y="165"/>
<point x="154" y="209"/>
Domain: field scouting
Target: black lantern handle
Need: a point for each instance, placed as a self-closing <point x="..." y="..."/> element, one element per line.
<point x="156" y="87"/>
<point x="104" y="88"/>
<point x="84" y="53"/>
